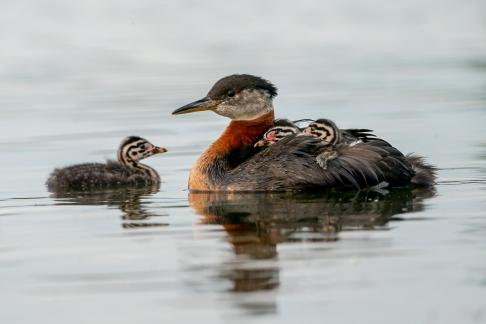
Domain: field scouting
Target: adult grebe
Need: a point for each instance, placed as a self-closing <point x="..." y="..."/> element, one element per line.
<point x="232" y="163"/>
<point x="127" y="171"/>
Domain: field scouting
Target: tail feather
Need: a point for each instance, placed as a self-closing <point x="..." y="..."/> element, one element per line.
<point x="425" y="174"/>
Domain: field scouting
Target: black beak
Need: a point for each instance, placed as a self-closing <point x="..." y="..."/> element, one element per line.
<point x="203" y="104"/>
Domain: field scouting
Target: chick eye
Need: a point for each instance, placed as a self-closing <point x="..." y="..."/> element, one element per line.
<point x="230" y="93"/>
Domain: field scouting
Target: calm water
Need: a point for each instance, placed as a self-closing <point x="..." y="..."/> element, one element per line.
<point x="77" y="77"/>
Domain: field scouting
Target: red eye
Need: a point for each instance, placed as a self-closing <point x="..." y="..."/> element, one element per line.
<point x="271" y="136"/>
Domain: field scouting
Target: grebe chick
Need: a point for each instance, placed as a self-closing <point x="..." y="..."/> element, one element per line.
<point x="329" y="134"/>
<point x="127" y="171"/>
<point x="350" y="135"/>
<point x="325" y="130"/>
<point x="281" y="128"/>
<point x="229" y="164"/>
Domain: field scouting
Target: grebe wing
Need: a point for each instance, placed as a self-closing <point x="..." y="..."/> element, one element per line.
<point x="373" y="162"/>
<point x="290" y="165"/>
<point x="353" y="134"/>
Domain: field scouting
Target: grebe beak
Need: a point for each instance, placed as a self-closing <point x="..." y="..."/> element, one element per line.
<point x="307" y="131"/>
<point x="261" y="143"/>
<point x="203" y="104"/>
<point x="159" y="150"/>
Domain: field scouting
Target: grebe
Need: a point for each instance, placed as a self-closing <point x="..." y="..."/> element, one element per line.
<point x="127" y="171"/>
<point x="324" y="129"/>
<point x="350" y="135"/>
<point x="284" y="127"/>
<point x="281" y="128"/>
<point x="327" y="131"/>
<point x="232" y="164"/>
<point x="329" y="134"/>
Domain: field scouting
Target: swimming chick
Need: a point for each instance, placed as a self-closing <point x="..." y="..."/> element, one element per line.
<point x="127" y="171"/>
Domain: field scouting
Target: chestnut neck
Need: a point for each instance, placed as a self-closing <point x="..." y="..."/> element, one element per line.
<point x="215" y="162"/>
<point x="240" y="134"/>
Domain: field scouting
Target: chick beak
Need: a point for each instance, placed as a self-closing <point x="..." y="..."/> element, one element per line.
<point x="261" y="143"/>
<point x="203" y="104"/>
<point x="158" y="150"/>
<point x="307" y="131"/>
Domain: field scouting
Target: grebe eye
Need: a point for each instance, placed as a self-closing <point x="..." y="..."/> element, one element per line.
<point x="134" y="153"/>
<point x="231" y="93"/>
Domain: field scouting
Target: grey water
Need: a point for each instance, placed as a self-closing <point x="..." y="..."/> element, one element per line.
<point x="77" y="77"/>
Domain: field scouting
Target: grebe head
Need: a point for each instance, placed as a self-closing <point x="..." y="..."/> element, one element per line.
<point x="238" y="96"/>
<point x="324" y="129"/>
<point x="133" y="149"/>
<point x="282" y="128"/>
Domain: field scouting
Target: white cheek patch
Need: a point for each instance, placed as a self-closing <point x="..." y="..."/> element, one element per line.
<point x="246" y="105"/>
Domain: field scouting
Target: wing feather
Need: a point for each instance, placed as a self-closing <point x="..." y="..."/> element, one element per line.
<point x="290" y="164"/>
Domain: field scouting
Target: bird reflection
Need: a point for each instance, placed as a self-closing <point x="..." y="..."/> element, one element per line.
<point x="257" y="223"/>
<point x="128" y="200"/>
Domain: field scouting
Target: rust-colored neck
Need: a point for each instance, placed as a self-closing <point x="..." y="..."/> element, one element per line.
<point x="239" y="135"/>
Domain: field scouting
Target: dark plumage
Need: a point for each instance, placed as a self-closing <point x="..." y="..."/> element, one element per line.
<point x="328" y="133"/>
<point x="127" y="171"/>
<point x="282" y="122"/>
<point x="352" y="135"/>
<point x="290" y="164"/>
<point x="425" y="173"/>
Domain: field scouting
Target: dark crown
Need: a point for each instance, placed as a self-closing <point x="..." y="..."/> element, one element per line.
<point x="326" y="122"/>
<point x="130" y="139"/>
<point x="284" y="122"/>
<point x="237" y="82"/>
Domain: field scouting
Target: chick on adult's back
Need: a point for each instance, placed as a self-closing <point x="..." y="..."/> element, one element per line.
<point x="127" y="171"/>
